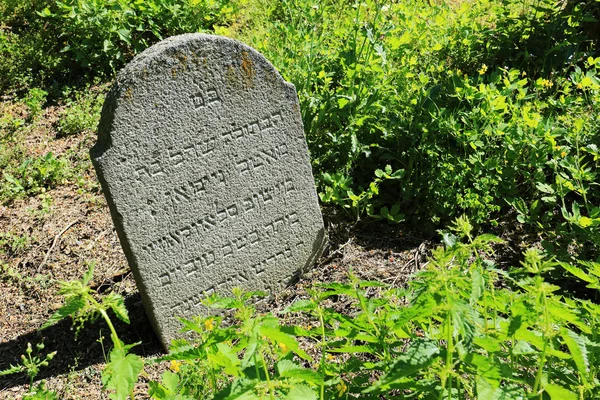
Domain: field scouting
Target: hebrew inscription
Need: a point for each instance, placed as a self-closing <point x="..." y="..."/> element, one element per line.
<point x="202" y="157"/>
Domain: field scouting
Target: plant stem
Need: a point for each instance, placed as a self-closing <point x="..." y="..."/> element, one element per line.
<point x="113" y="333"/>
<point x="264" y="364"/>
<point x="323" y="344"/>
<point x="538" y="378"/>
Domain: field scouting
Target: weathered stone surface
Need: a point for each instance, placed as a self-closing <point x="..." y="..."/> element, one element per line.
<point x="202" y="157"/>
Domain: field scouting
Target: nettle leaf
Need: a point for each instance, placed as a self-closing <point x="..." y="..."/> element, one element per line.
<point x="557" y="392"/>
<point x="87" y="277"/>
<point x="578" y="350"/>
<point x="522" y="347"/>
<point x="477" y="286"/>
<point x="353" y="349"/>
<point x="338" y="289"/>
<point x="449" y="239"/>
<point x="486" y="367"/>
<point x="184" y="352"/>
<point x="301" y="305"/>
<point x="251" y="348"/>
<point x="561" y="312"/>
<point x="420" y="355"/>
<point x="536" y="339"/>
<point x="301" y="392"/>
<point x="488" y="343"/>
<point x="70" y="308"/>
<point x="116" y="303"/>
<point x="277" y="335"/>
<point x="289" y="369"/>
<point x="578" y="272"/>
<point x="492" y="391"/>
<point x="121" y="373"/>
<point x="226" y="358"/>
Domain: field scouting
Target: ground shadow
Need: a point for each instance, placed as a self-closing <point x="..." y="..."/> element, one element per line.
<point x="75" y="355"/>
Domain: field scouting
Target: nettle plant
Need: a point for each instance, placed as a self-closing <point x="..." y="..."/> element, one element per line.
<point x="122" y="368"/>
<point x="462" y="329"/>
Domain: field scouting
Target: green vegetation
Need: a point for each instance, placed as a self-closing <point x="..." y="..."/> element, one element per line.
<point x="81" y="112"/>
<point x="453" y="333"/>
<point x="419" y="112"/>
<point x="49" y="42"/>
<point x="33" y="176"/>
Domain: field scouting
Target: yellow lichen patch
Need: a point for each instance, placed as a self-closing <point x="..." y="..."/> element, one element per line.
<point x="232" y="78"/>
<point x="128" y="95"/>
<point x="247" y="68"/>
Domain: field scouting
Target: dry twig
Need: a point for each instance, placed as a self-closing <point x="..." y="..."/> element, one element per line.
<point x="54" y="242"/>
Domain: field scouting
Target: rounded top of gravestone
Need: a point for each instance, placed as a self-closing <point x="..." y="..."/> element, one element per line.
<point x="167" y="67"/>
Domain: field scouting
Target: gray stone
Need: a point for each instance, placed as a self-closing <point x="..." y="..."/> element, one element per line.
<point x="202" y="157"/>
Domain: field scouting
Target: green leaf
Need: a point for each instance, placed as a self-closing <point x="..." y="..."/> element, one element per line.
<point x="13" y="369"/>
<point x="420" y="354"/>
<point x="301" y="305"/>
<point x="342" y="102"/>
<point x="557" y="392"/>
<point x="578" y="350"/>
<point x="449" y="239"/>
<point x="170" y="381"/>
<point x="492" y="391"/>
<point x="352" y="350"/>
<point x="301" y="392"/>
<point x="584" y="222"/>
<point x="289" y="369"/>
<point x="121" y="373"/>
<point x="477" y="286"/>
<point x="226" y="358"/>
<point x="276" y="335"/>
<point x="486" y="367"/>
<point x="168" y="389"/>
<point x="44" y="13"/>
<point x="522" y="347"/>
<point x="87" y="276"/>
<point x="116" y="303"/>
<point x="488" y="343"/>
<point x="578" y="272"/>
<point x="251" y="348"/>
<point x="545" y="188"/>
<point x="71" y="307"/>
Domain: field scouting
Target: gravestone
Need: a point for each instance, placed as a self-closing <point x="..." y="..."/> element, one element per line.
<point x="202" y="158"/>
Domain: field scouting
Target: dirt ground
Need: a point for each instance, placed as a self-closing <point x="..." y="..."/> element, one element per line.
<point x="43" y="245"/>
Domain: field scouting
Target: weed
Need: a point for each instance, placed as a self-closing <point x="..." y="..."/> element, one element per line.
<point x="81" y="113"/>
<point x="14" y="244"/>
<point x="122" y="368"/>
<point x="43" y="209"/>
<point x="32" y="176"/>
<point x="31" y="363"/>
<point x="462" y="329"/>
<point x="35" y="100"/>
